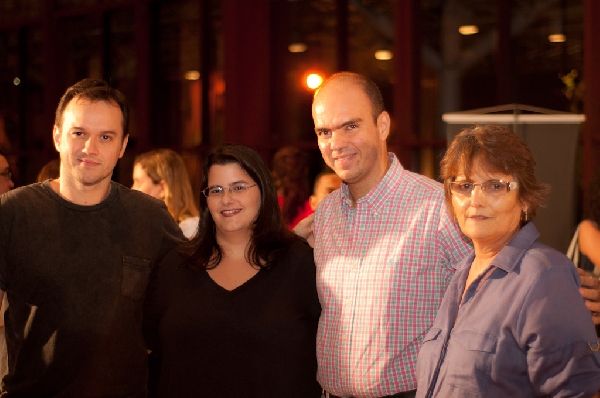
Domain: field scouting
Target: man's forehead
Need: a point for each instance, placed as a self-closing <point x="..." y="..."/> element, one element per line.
<point x="3" y="162"/>
<point x="87" y="101"/>
<point x="341" y="86"/>
<point x="76" y="115"/>
<point x="339" y="94"/>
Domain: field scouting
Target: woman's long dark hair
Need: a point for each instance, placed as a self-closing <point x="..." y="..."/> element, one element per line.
<point x="269" y="233"/>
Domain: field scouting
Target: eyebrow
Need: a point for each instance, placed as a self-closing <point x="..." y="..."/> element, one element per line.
<point x="339" y="126"/>
<point x="84" y="129"/>
<point x="233" y="183"/>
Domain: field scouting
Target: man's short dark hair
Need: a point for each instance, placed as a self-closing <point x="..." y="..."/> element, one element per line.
<point x="368" y="86"/>
<point x="94" y="90"/>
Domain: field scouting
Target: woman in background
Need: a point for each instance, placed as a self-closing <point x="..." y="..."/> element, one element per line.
<point x="512" y="322"/>
<point x="589" y="230"/>
<point x="49" y="171"/>
<point x="239" y="317"/>
<point x="589" y="247"/>
<point x="162" y="174"/>
<point x="291" y="171"/>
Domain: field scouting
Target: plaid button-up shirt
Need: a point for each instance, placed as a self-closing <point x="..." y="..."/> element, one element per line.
<point x="382" y="270"/>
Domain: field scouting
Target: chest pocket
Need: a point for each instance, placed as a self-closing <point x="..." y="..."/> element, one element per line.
<point x="471" y="355"/>
<point x="136" y="272"/>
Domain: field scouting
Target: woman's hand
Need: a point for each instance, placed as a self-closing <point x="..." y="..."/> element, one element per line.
<point x="304" y="229"/>
<point x="590" y="290"/>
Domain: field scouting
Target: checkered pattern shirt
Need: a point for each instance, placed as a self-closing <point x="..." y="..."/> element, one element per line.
<point x="382" y="269"/>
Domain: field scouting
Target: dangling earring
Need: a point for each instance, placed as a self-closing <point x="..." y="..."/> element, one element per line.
<point x="525" y="216"/>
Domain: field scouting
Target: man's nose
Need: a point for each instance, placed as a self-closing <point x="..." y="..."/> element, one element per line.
<point x="90" y="146"/>
<point x="338" y="141"/>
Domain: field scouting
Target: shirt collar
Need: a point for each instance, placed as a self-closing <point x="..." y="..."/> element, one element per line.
<point x="511" y="254"/>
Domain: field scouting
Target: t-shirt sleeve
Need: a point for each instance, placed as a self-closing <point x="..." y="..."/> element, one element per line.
<point x="167" y="260"/>
<point x="172" y="234"/>
<point x="161" y="285"/>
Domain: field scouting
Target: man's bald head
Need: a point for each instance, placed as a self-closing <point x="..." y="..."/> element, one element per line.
<point x="367" y="86"/>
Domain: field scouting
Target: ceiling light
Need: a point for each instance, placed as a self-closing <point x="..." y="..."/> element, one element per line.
<point x="557" y="38"/>
<point x="192" y="75"/>
<point x="384" y="55"/>
<point x="467" y="30"/>
<point x="297" y="47"/>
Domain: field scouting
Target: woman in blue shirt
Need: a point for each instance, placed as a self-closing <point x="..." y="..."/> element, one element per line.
<point x="512" y="322"/>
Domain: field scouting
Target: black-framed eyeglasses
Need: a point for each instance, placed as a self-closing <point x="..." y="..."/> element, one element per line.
<point x="490" y="188"/>
<point x="234" y="189"/>
<point x="6" y="173"/>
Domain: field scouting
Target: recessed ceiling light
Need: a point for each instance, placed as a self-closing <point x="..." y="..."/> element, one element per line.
<point x="384" y="55"/>
<point x="467" y="30"/>
<point x="557" y="38"/>
<point x="297" y="47"/>
<point x="192" y="75"/>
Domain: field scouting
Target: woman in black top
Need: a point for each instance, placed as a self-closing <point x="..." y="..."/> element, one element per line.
<point x="238" y="316"/>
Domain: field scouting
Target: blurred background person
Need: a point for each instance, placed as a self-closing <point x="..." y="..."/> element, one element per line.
<point x="162" y="174"/>
<point x="589" y="230"/>
<point x="291" y="171"/>
<point x="325" y="183"/>
<point x="512" y="322"/>
<point x="6" y="182"/>
<point x="589" y="247"/>
<point x="239" y="318"/>
<point x="49" y="171"/>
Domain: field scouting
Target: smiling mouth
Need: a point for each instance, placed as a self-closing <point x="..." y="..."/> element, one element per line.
<point x="344" y="158"/>
<point x="230" y="212"/>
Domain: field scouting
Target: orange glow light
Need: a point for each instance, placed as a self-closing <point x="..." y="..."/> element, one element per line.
<point x="467" y="30"/>
<point x="557" y="38"/>
<point x="313" y="81"/>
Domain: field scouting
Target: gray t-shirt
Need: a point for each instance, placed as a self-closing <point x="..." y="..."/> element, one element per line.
<point x="75" y="278"/>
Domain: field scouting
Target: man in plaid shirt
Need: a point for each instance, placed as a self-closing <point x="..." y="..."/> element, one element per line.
<point x="385" y="248"/>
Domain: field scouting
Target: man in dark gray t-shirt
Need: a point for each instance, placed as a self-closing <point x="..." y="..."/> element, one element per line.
<point x="75" y="257"/>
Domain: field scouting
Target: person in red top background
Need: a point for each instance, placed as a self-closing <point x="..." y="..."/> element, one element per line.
<point x="291" y="172"/>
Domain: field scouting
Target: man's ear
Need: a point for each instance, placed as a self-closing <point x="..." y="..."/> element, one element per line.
<point x="383" y="125"/>
<point x="124" y="145"/>
<point x="56" y="138"/>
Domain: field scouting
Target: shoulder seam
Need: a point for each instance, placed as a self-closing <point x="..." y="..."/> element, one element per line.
<point x="540" y="256"/>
